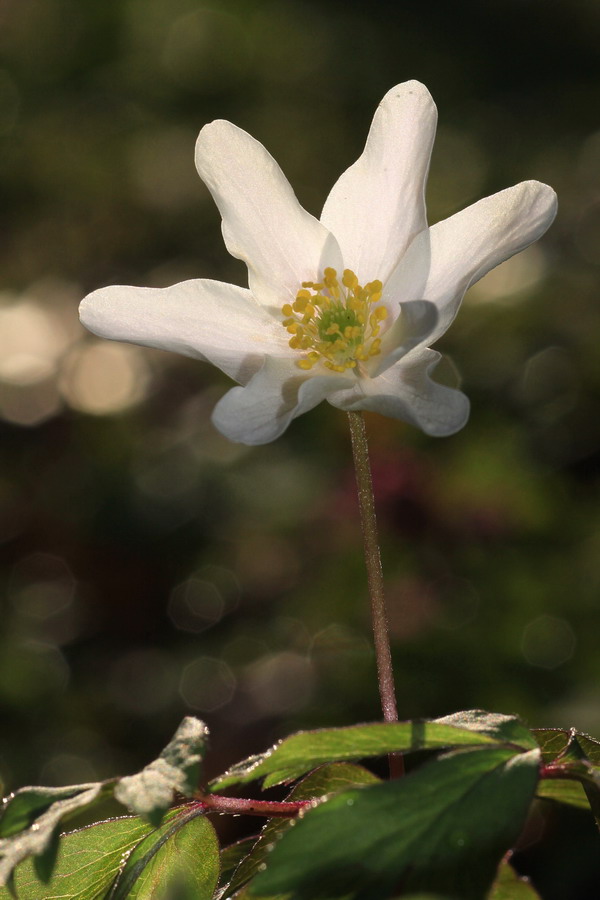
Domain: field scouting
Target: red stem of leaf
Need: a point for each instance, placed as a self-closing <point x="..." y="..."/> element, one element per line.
<point x="554" y="770"/>
<point x="238" y="806"/>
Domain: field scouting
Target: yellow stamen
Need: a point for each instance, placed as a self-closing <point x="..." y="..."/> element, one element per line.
<point x="335" y="322"/>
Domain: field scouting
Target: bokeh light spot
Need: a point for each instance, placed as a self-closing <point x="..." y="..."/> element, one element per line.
<point x="103" y="379"/>
<point x="29" y="405"/>
<point x="68" y="768"/>
<point x="207" y="684"/>
<point x="548" y="642"/>
<point x="281" y="682"/>
<point x="42" y="586"/>
<point x="195" y="605"/>
<point x="32" y="340"/>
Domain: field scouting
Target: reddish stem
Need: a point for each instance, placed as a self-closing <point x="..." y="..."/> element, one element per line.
<point x="556" y="770"/>
<point x="383" y="654"/>
<point x="239" y="806"/>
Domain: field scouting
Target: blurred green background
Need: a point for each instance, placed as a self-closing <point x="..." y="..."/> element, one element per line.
<point x="150" y="569"/>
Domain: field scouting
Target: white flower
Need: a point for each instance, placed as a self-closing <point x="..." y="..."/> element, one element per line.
<point x="343" y="309"/>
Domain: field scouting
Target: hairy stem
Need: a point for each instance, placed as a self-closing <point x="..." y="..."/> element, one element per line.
<point x="239" y="806"/>
<point x="364" y="484"/>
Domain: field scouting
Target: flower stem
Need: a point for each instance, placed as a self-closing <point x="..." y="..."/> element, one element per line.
<point x="364" y="484"/>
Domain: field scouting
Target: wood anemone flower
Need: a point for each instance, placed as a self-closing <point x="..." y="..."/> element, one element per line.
<point x="343" y="309"/>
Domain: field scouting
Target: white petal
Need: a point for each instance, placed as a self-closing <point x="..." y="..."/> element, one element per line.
<point x="378" y="204"/>
<point x="406" y="392"/>
<point x="441" y="264"/>
<point x="413" y="326"/>
<point x="261" y="411"/>
<point x="208" y="320"/>
<point x="263" y="223"/>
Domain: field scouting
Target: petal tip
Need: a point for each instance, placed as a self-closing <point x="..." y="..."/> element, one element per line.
<point x="217" y="130"/>
<point x="407" y="89"/>
<point x="543" y="200"/>
<point x="537" y="190"/>
<point x="89" y="307"/>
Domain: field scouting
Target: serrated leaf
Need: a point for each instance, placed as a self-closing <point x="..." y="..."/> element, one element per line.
<point x="44" y="863"/>
<point x="577" y="755"/>
<point x="504" y="729"/>
<point x="510" y="886"/>
<point x="590" y="747"/>
<point x="88" y="860"/>
<point x="181" y="858"/>
<point x="150" y="792"/>
<point x="563" y="791"/>
<point x="21" y="809"/>
<point x="32" y="817"/>
<point x="326" y="780"/>
<point x="560" y="744"/>
<point x="552" y="742"/>
<point x="244" y="895"/>
<point x="231" y="857"/>
<point x="38" y="836"/>
<point x="306" y="750"/>
<point x="430" y="831"/>
<point x="592" y="792"/>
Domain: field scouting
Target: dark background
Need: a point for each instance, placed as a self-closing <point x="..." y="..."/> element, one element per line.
<point x="150" y="569"/>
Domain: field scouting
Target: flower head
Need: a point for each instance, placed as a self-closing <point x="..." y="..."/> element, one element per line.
<point x="343" y="309"/>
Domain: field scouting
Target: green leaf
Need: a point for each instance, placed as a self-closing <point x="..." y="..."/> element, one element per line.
<point x="86" y="864"/>
<point x="306" y="750"/>
<point x="431" y="830"/>
<point x="563" y="791"/>
<point x="552" y="742"/>
<point x="244" y="895"/>
<point x="510" y="886"/>
<point x="592" y="792"/>
<point x="44" y="863"/>
<point x="40" y="812"/>
<point x="505" y="729"/>
<point x="325" y="780"/>
<point x="152" y="791"/>
<point x="590" y="747"/>
<point x="232" y="856"/>
<point x="577" y="756"/>
<point x="181" y="858"/>
<point x="32" y="817"/>
<point x="559" y="744"/>
<point x="21" y="809"/>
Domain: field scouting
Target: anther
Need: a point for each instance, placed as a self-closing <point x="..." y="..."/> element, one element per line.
<point x="333" y="321"/>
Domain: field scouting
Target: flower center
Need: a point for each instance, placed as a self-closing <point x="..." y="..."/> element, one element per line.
<point x="336" y="324"/>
